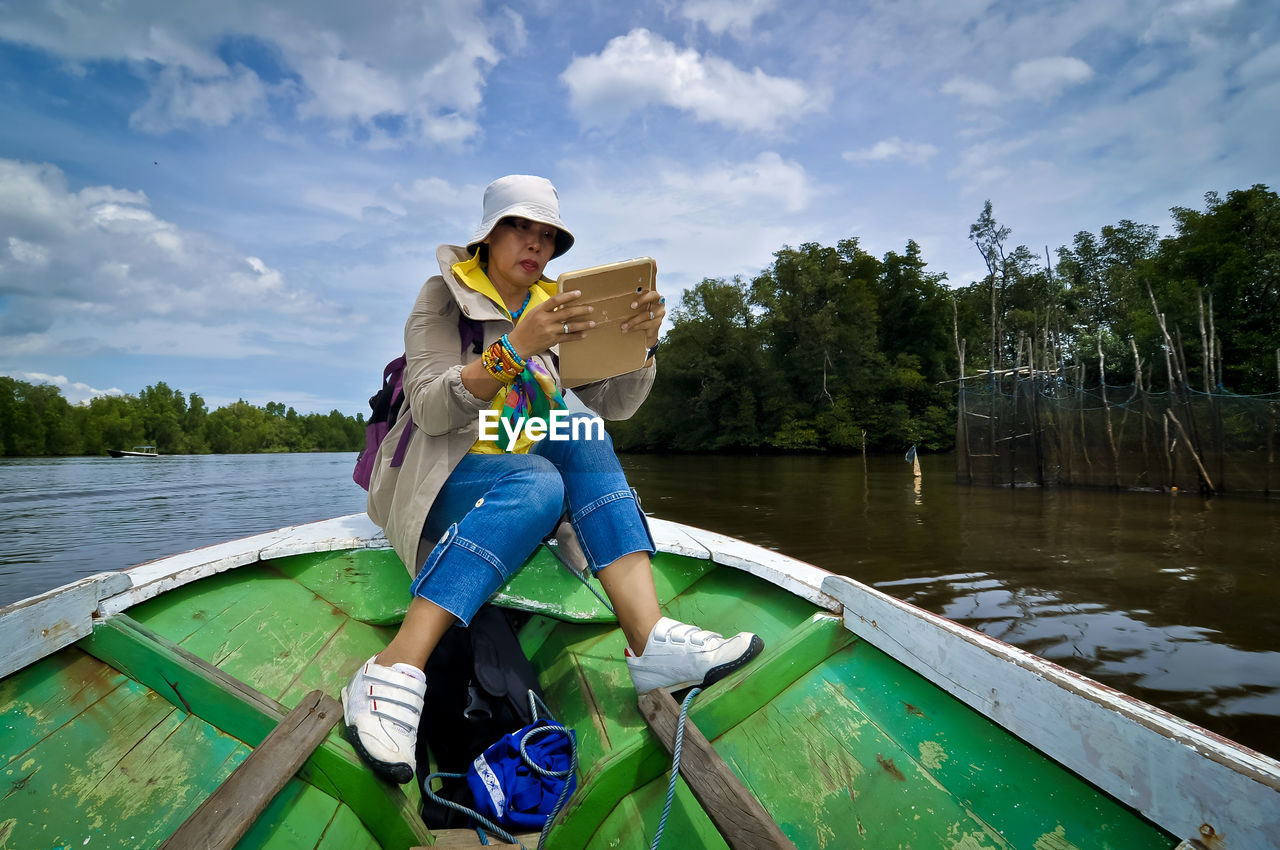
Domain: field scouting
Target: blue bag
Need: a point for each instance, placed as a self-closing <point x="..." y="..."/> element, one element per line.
<point x="521" y="782"/>
<point x="511" y="793"/>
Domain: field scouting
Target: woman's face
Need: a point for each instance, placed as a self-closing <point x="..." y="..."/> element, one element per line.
<point x="519" y="250"/>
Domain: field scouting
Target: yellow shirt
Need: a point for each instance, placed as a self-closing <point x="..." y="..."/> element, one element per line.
<point x="473" y="275"/>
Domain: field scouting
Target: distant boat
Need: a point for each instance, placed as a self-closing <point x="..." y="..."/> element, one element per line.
<point x="138" y="451"/>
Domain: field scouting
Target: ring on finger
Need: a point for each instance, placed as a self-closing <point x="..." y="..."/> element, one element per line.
<point x="566" y="328"/>
<point x="651" y="315"/>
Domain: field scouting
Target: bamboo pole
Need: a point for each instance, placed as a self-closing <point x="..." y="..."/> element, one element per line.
<point x="1204" y="473"/>
<point x="1037" y="431"/>
<point x="1106" y="407"/>
<point x="1142" y="393"/>
<point x="1215" y="345"/>
<point x="1271" y="448"/>
<point x="1084" y="436"/>
<point x="864" y="454"/>
<point x="963" y="414"/>
<point x="1206" y="481"/>
<point x="1206" y="348"/>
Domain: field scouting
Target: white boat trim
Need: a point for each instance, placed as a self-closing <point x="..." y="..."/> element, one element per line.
<point x="1190" y="781"/>
<point x="1182" y="777"/>
<point x="152" y="578"/>
<point x="43" y="624"/>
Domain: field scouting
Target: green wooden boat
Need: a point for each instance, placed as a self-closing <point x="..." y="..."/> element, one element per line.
<point x="129" y="697"/>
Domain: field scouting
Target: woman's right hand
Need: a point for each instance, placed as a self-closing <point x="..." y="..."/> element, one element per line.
<point x="554" y="321"/>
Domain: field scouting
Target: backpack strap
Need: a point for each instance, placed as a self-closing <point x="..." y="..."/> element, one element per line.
<point x="402" y="446"/>
<point x="471" y="335"/>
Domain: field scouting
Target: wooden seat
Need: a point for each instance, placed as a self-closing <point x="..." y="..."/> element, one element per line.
<point x="737" y="814"/>
<point x="226" y="815"/>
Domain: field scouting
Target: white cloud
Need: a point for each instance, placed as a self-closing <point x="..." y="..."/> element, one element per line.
<point x="641" y="68"/>
<point x="720" y="16"/>
<point x="423" y="63"/>
<point x="178" y="100"/>
<point x="28" y="253"/>
<point x="916" y="153"/>
<point x="1035" y="79"/>
<point x="75" y="392"/>
<point x="768" y="179"/>
<point x="971" y="91"/>
<point x="713" y="220"/>
<point x="989" y="162"/>
<point x="100" y="260"/>
<point x="1045" y="79"/>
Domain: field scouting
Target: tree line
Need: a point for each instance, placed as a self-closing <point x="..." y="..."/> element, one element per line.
<point x="36" y="420"/>
<point x="830" y="346"/>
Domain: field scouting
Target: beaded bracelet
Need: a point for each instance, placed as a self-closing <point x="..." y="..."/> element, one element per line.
<point x="502" y="362"/>
<point x="493" y="363"/>
<point x="515" y="355"/>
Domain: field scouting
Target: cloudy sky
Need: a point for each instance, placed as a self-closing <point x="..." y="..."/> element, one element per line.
<point x="243" y="198"/>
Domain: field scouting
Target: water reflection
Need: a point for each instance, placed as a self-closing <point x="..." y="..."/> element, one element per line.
<point x="1169" y="599"/>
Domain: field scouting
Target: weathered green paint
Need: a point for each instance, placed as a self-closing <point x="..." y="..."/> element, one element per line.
<point x="544" y="586"/>
<point x="634" y="822"/>
<point x="369" y="585"/>
<point x="112" y="764"/>
<point x="301" y="816"/>
<point x="618" y="752"/>
<point x="193" y="684"/>
<point x="844" y="746"/>
<point x="994" y="774"/>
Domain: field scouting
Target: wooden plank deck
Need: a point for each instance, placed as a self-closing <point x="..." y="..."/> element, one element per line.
<point x="229" y="812"/>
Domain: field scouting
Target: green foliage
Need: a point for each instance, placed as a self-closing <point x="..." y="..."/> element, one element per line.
<point x="829" y="344"/>
<point x="805" y="358"/>
<point x="831" y="348"/>
<point x="35" y="420"/>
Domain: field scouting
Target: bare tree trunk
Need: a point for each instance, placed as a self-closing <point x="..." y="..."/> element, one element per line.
<point x="1204" y="473"/>
<point x="1205" y="348"/>
<point x="1146" y="411"/>
<point x="1106" y="407"/>
<point x="964" y="461"/>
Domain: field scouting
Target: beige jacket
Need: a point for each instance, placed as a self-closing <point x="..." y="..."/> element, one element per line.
<point x="446" y="414"/>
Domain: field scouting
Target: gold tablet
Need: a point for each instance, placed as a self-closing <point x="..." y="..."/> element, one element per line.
<point x="606" y="351"/>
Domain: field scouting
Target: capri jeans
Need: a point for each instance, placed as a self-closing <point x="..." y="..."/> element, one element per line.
<point x="494" y="510"/>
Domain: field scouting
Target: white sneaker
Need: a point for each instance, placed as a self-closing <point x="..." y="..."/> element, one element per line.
<point x="382" y="707"/>
<point x="679" y="656"/>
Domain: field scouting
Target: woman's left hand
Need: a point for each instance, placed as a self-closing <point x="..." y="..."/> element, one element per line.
<point x="650" y="309"/>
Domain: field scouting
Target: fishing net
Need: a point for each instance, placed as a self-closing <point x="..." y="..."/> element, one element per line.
<point x="1028" y="429"/>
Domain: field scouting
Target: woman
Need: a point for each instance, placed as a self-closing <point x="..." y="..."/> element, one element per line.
<point x="464" y="513"/>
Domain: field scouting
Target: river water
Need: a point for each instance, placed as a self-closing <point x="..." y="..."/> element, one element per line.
<point x="1169" y="598"/>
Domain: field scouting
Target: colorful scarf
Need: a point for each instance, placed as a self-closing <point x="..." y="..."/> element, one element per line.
<point x="532" y="395"/>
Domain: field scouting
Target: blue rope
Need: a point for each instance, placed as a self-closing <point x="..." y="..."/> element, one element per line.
<point x="579" y="576"/>
<point x="471" y="813"/>
<point x="675" y="766"/>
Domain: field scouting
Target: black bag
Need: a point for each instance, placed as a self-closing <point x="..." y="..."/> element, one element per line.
<point x="478" y="683"/>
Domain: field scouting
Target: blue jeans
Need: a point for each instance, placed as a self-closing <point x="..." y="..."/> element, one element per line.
<point x="494" y="510"/>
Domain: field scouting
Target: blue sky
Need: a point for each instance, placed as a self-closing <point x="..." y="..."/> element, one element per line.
<point x="243" y="198"/>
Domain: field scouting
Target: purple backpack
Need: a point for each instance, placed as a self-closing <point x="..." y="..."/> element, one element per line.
<point x="387" y="403"/>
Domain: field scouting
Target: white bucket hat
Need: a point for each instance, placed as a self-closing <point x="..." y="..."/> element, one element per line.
<point x="524" y="196"/>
